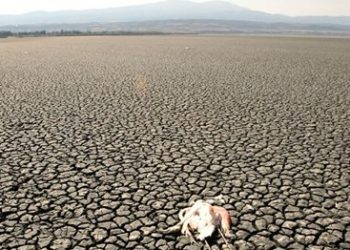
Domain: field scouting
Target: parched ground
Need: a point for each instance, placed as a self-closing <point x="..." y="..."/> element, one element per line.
<point x="104" y="139"/>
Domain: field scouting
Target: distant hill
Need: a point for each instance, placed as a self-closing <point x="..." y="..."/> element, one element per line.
<point x="167" y="10"/>
<point x="176" y="16"/>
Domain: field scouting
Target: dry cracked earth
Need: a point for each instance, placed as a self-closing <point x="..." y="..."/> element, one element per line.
<point x="104" y="139"/>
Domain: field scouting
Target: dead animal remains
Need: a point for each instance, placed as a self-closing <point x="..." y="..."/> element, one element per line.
<point x="202" y="219"/>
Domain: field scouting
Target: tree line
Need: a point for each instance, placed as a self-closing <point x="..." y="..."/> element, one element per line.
<point x="5" y="34"/>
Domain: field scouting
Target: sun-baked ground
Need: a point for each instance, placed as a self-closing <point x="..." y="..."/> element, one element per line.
<point x="104" y="139"/>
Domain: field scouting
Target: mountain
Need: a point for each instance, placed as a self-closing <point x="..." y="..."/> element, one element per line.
<point x="166" y="10"/>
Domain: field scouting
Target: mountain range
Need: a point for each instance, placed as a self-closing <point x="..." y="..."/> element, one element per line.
<point x="169" y="10"/>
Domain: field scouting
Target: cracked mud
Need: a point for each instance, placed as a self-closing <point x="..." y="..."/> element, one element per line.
<point x="104" y="139"/>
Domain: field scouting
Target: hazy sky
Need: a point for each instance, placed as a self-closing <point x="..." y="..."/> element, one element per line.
<point x="289" y="7"/>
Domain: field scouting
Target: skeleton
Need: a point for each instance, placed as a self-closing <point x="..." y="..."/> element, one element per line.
<point x="202" y="218"/>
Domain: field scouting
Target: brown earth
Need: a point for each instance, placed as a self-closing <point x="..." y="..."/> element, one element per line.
<point x="104" y="139"/>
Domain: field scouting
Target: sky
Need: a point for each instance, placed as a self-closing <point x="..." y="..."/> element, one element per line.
<point x="288" y="7"/>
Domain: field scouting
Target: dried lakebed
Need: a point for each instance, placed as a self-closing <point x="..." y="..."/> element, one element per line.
<point x="104" y="139"/>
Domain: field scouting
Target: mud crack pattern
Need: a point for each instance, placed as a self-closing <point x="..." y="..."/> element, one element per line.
<point x="104" y="139"/>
